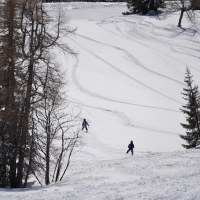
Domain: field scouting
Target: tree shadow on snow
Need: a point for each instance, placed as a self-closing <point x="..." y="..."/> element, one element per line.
<point x="187" y="31"/>
<point x="159" y="15"/>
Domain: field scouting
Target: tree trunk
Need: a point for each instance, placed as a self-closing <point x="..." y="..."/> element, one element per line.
<point x="24" y="134"/>
<point x="180" y="18"/>
<point x="10" y="109"/>
<point x="47" y="180"/>
<point x="48" y="143"/>
<point x="3" y="171"/>
<point x="30" y="158"/>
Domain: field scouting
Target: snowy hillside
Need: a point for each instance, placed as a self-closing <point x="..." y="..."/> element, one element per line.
<point x="146" y="176"/>
<point x="127" y="80"/>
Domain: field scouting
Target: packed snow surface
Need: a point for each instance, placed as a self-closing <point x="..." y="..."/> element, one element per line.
<point x="127" y="81"/>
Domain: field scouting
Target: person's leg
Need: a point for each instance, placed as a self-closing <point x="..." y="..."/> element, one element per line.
<point x="132" y="151"/>
<point x="128" y="150"/>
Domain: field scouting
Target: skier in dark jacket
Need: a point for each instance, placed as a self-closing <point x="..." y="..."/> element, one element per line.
<point x="130" y="147"/>
<point x="84" y="125"/>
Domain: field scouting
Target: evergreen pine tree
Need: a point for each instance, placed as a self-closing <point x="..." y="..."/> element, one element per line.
<point x="192" y="112"/>
<point x="143" y="6"/>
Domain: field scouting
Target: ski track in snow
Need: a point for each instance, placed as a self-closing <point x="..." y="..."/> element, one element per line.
<point x="134" y="60"/>
<point x="121" y="72"/>
<point x="128" y="122"/>
<point x="142" y="36"/>
<point x="106" y="98"/>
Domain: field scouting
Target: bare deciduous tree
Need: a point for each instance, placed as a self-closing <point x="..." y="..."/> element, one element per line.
<point x="58" y="131"/>
<point x="27" y="36"/>
<point x="183" y="6"/>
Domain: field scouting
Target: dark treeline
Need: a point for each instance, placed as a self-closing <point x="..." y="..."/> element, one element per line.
<point x="48" y="1"/>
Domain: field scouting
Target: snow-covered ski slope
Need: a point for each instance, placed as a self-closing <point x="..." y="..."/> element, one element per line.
<point x="127" y="79"/>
